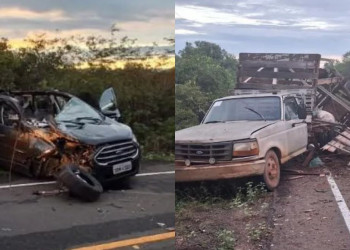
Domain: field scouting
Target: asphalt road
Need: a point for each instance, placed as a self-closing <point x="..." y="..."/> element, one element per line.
<point x="306" y="212"/>
<point x="145" y="207"/>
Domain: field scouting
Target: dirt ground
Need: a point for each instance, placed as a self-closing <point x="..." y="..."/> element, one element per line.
<point x="225" y="222"/>
<point x="301" y="214"/>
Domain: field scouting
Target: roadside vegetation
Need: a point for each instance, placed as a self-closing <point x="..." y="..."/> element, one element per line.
<point x="222" y="215"/>
<point x="204" y="71"/>
<point x="85" y="66"/>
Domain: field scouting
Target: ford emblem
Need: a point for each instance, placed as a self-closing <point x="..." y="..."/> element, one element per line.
<point x="199" y="152"/>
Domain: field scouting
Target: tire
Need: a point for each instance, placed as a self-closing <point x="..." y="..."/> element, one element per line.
<point x="272" y="172"/>
<point x="80" y="183"/>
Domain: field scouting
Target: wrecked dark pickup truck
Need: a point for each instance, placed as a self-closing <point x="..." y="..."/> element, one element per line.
<point x="55" y="134"/>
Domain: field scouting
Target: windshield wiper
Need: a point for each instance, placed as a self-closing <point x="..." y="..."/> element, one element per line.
<point x="70" y="121"/>
<point x="88" y="118"/>
<point x="214" y="122"/>
<point x="256" y="112"/>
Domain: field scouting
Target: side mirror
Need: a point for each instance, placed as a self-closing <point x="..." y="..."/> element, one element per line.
<point x="108" y="100"/>
<point x="108" y="104"/>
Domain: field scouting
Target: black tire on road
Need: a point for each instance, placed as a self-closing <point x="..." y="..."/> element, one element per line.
<point x="272" y="170"/>
<point x="80" y="183"/>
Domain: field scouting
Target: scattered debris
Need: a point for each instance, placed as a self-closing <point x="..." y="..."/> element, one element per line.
<point x="298" y="172"/>
<point x="311" y="154"/>
<point x="294" y="177"/>
<point x="51" y="192"/>
<point x="161" y="224"/>
<point x="316" y="162"/>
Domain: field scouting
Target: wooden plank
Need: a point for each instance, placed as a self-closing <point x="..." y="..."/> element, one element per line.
<point x="270" y="86"/>
<point x="279" y="75"/>
<point x="278" y="64"/>
<point x="343" y="140"/>
<point x="274" y="80"/>
<point x="329" y="80"/>
<point x="279" y="56"/>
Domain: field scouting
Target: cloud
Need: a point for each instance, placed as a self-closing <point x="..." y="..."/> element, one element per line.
<point x="20" y="13"/>
<point x="206" y="15"/>
<point x="187" y="32"/>
<point x="265" y="26"/>
<point x="145" y="20"/>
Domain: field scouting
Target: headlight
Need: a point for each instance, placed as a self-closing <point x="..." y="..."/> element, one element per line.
<point x="245" y="148"/>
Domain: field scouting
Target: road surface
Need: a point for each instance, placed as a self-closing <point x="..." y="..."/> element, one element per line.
<point x="306" y="211"/>
<point x="129" y="212"/>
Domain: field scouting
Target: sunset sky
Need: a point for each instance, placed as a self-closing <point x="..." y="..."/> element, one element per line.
<point x="147" y="20"/>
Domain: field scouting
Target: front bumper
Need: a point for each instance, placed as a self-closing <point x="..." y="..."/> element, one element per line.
<point x="104" y="174"/>
<point x="219" y="171"/>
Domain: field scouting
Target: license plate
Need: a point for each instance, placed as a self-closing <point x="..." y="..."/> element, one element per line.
<point x="122" y="167"/>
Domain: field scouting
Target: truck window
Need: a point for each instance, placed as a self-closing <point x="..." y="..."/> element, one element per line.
<point x="8" y="116"/>
<point x="245" y="109"/>
<point x="291" y="109"/>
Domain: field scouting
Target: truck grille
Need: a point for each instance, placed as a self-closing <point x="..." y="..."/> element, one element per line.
<point x="203" y="152"/>
<point x="115" y="152"/>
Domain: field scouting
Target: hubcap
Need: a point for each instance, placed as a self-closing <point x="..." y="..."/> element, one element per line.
<point x="272" y="170"/>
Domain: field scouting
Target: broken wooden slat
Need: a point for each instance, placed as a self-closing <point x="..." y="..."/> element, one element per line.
<point x="279" y="75"/>
<point x="278" y="64"/>
<point x="329" y="80"/>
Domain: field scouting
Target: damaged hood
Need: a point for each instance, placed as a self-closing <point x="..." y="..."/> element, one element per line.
<point x="218" y="132"/>
<point x="94" y="134"/>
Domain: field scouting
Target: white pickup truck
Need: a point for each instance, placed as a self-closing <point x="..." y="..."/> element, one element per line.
<point x="242" y="135"/>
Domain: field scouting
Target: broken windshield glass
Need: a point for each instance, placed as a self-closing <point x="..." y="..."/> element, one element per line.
<point x="77" y="110"/>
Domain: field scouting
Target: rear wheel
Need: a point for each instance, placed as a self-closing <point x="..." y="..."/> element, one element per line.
<point x="272" y="170"/>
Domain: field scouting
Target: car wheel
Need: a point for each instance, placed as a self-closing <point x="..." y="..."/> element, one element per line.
<point x="272" y="170"/>
<point x="80" y="183"/>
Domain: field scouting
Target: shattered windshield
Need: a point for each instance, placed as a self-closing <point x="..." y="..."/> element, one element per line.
<point x="245" y="109"/>
<point x="77" y="110"/>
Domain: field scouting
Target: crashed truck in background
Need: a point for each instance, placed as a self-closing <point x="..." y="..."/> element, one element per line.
<point x="281" y="104"/>
<point x="55" y="134"/>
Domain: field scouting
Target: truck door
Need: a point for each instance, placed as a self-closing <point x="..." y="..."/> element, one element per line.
<point x="296" y="130"/>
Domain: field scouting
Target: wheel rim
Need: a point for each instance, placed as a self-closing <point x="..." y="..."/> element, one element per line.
<point x="272" y="170"/>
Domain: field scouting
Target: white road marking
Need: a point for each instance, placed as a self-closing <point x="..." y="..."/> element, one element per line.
<point x="28" y="184"/>
<point x="156" y="173"/>
<point x="54" y="182"/>
<point x="340" y="201"/>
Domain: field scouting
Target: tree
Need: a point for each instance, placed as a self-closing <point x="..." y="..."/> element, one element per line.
<point x="204" y="71"/>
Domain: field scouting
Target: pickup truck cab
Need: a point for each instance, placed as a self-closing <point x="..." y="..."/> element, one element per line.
<point x="242" y="136"/>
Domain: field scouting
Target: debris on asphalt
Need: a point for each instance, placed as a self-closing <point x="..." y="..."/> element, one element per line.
<point x="50" y="193"/>
<point x="294" y="177"/>
<point x="161" y="224"/>
<point x="298" y="172"/>
<point x="311" y="148"/>
<point x="316" y="162"/>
